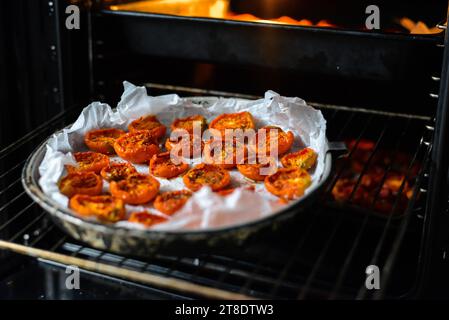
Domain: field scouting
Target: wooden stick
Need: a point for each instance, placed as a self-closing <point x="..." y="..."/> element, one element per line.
<point x="159" y="281"/>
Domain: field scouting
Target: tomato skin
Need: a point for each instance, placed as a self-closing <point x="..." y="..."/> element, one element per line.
<point x="137" y="146"/>
<point x="145" y="218"/>
<point x="241" y="120"/>
<point x="89" y="161"/>
<point x="150" y="123"/>
<point x="102" y="140"/>
<point x="187" y="123"/>
<point x="162" y="166"/>
<point x="117" y="171"/>
<point x="228" y="156"/>
<point x="288" y="183"/>
<point x="135" y="189"/>
<point x="305" y="159"/>
<point x="81" y="183"/>
<point x="253" y="171"/>
<point x="284" y="141"/>
<point x="211" y="175"/>
<point x="105" y="207"/>
<point x="171" y="201"/>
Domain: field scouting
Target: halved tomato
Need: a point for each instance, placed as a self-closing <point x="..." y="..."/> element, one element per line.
<point x="105" y="208"/>
<point x="117" y="171"/>
<point x="242" y="120"/>
<point x="207" y="175"/>
<point x="81" y="183"/>
<point x="102" y="140"/>
<point x="259" y="170"/>
<point x="284" y="140"/>
<point x="150" y="123"/>
<point x="161" y="165"/>
<point x="305" y="159"/>
<point x="182" y="144"/>
<point x="171" y="201"/>
<point x="137" y="146"/>
<point x="189" y="122"/>
<point x="145" y="218"/>
<point x="229" y="153"/>
<point x="135" y="189"/>
<point x="89" y="161"/>
<point x="288" y="183"/>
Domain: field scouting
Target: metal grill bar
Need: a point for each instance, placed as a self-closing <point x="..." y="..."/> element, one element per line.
<point x="356" y="242"/>
<point x="375" y="258"/>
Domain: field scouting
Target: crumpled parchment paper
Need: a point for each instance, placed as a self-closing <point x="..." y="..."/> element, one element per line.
<point x="205" y="209"/>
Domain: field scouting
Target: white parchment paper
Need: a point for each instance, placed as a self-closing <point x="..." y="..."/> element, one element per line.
<point x="205" y="209"/>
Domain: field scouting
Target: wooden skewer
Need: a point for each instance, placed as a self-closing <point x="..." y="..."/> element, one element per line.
<point x="159" y="281"/>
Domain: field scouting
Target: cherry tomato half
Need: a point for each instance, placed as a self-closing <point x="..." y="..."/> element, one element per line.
<point x="284" y="141"/>
<point x="188" y="123"/>
<point x="305" y="159"/>
<point x="242" y="120"/>
<point x="161" y="165"/>
<point x="259" y="170"/>
<point x="288" y="183"/>
<point x="150" y="123"/>
<point x="171" y="201"/>
<point x="145" y="218"/>
<point x="102" y="140"/>
<point x="117" y="171"/>
<point x="184" y="147"/>
<point x="207" y="175"/>
<point x="89" y="161"/>
<point x="105" y="208"/>
<point x="230" y="153"/>
<point x="135" y="189"/>
<point x="137" y="146"/>
<point x="81" y="183"/>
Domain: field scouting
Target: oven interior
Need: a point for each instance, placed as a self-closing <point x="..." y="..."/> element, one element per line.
<point x="376" y="210"/>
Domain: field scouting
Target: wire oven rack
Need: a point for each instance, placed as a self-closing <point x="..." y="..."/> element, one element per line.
<point x="323" y="254"/>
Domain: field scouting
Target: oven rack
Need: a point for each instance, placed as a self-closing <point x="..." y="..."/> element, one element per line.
<point x="320" y="255"/>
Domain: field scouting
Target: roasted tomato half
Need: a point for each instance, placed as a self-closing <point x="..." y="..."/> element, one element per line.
<point x="242" y="120"/>
<point x="210" y="175"/>
<point x="135" y="189"/>
<point x="184" y="147"/>
<point x="145" y="218"/>
<point x="259" y="170"/>
<point x="305" y="159"/>
<point x="150" y="123"/>
<point x="284" y="140"/>
<point x="102" y="140"/>
<point x="171" y="201"/>
<point x="81" y="183"/>
<point x="105" y="208"/>
<point x="89" y="161"/>
<point x="188" y="123"/>
<point x="117" y="171"/>
<point x="288" y="183"/>
<point x="161" y="165"/>
<point x="137" y="146"/>
<point x="224" y="154"/>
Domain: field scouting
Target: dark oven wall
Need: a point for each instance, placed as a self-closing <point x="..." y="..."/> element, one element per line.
<point x="37" y="56"/>
<point x="356" y="68"/>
